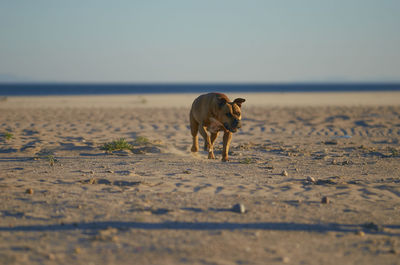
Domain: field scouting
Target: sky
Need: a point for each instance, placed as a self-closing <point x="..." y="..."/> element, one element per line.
<point x="231" y="41"/>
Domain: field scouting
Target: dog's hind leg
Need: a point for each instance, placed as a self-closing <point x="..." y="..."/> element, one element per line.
<point x="194" y="128"/>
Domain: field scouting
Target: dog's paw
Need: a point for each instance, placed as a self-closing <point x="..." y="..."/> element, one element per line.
<point x="225" y="159"/>
<point x="194" y="149"/>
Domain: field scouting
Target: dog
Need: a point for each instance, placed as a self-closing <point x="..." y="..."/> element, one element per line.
<point x="214" y="112"/>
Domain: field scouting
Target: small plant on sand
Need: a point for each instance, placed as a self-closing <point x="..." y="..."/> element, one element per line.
<point x="7" y="136"/>
<point x="394" y="152"/>
<point x="140" y="140"/>
<point x="46" y="155"/>
<point x="247" y="160"/>
<point x="51" y="159"/>
<point x="143" y="100"/>
<point x="120" y="144"/>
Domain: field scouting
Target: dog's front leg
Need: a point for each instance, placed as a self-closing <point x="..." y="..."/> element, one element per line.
<point x="226" y="142"/>
<point x="207" y="142"/>
<point x="211" y="150"/>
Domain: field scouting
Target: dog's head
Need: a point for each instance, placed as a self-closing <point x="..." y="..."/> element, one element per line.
<point x="229" y="113"/>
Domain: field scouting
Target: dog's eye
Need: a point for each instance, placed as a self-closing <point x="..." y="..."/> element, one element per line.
<point x="229" y="115"/>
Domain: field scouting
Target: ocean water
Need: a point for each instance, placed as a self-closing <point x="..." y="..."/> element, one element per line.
<point x="109" y="89"/>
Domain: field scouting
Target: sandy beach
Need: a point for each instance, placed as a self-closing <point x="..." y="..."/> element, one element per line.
<point x="318" y="175"/>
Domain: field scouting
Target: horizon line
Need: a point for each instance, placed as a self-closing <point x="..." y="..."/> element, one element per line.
<point x="205" y="83"/>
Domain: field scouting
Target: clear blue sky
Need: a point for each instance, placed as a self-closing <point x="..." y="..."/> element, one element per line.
<point x="200" y="41"/>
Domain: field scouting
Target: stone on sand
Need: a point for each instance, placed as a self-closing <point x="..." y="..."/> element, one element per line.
<point x="239" y="208"/>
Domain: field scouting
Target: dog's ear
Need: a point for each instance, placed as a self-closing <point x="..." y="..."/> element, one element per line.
<point x="215" y="126"/>
<point x="239" y="101"/>
<point x="221" y="102"/>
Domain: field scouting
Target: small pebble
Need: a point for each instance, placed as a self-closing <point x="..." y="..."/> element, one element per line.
<point x="92" y="181"/>
<point x="311" y="179"/>
<point x="91" y="172"/>
<point x="110" y="171"/>
<point x="29" y="191"/>
<point x="360" y="233"/>
<point x="239" y="208"/>
<point x="284" y="173"/>
<point x="284" y="259"/>
<point x="325" y="200"/>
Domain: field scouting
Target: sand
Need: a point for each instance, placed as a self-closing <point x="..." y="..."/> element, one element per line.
<point x="318" y="176"/>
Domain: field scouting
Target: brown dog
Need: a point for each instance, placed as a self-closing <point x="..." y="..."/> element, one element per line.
<point x="214" y="112"/>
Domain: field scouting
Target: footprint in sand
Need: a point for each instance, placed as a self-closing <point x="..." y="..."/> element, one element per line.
<point x="218" y="189"/>
<point x="202" y="187"/>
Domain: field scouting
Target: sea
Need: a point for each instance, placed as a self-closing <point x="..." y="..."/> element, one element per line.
<point x="61" y="89"/>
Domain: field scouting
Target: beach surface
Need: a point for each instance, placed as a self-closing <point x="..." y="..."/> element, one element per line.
<point x="316" y="175"/>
